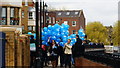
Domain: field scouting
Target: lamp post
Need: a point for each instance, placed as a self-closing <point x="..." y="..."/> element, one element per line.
<point x="39" y="53"/>
<point x="37" y="26"/>
<point x="44" y="13"/>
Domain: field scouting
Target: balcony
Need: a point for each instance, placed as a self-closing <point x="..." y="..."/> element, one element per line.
<point x="14" y="21"/>
<point x="3" y="21"/>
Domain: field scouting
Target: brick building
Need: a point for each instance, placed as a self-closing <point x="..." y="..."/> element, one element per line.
<point x="50" y="18"/>
<point x="74" y="18"/>
<point x="27" y="14"/>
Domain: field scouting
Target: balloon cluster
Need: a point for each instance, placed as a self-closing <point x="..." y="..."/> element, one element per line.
<point x="60" y="34"/>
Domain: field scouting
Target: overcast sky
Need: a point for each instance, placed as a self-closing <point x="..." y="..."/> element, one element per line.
<point x="105" y="11"/>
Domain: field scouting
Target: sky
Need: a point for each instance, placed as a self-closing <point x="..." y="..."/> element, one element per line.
<point x="104" y="11"/>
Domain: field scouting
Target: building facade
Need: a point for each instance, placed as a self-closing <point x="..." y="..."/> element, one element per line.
<point x="10" y="15"/>
<point x="50" y="18"/>
<point x="74" y="18"/>
<point x="27" y="13"/>
<point x="15" y="14"/>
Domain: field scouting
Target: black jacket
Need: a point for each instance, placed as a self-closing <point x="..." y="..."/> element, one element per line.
<point x="60" y="50"/>
<point x="78" y="49"/>
<point x="55" y="50"/>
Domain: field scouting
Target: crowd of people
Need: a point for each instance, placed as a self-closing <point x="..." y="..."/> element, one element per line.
<point x="67" y="54"/>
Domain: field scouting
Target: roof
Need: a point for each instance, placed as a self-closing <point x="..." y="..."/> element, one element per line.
<point x="68" y="13"/>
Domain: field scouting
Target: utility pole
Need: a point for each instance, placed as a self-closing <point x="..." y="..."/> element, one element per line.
<point x="39" y="52"/>
<point x="37" y="26"/>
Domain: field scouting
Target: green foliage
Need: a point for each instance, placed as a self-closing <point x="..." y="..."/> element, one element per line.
<point x="96" y="32"/>
<point x="116" y="33"/>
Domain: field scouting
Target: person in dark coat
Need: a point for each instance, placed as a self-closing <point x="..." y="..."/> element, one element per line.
<point x="54" y="53"/>
<point x="61" y="54"/>
<point x="77" y="49"/>
<point x="44" y="47"/>
<point x="32" y="53"/>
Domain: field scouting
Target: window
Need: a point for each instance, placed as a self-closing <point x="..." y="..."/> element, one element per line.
<point x="12" y="10"/>
<point x="14" y="16"/>
<point x="30" y="15"/>
<point x="74" y="31"/>
<point x="73" y="23"/>
<point x="76" y="13"/>
<point x="65" y="22"/>
<point x="33" y="28"/>
<point x="57" y="22"/>
<point x="49" y="19"/>
<point x="4" y="12"/>
<point x="26" y="3"/>
<point x="3" y="19"/>
<point x="42" y="19"/>
<point x="22" y="27"/>
<point x="53" y="20"/>
<point x="68" y="13"/>
<point x="29" y="27"/>
<point x="59" y="13"/>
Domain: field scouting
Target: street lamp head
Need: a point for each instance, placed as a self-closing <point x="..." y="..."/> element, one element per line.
<point x="46" y="5"/>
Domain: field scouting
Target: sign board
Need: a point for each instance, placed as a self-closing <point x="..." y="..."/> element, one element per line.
<point x="32" y="47"/>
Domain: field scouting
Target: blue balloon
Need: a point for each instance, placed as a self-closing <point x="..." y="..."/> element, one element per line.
<point x="42" y="33"/>
<point x="49" y="32"/>
<point x="53" y="34"/>
<point x="69" y="37"/>
<point x="44" y="43"/>
<point x="82" y="38"/>
<point x="62" y="34"/>
<point x="73" y="40"/>
<point x="72" y="43"/>
<point x="49" y="27"/>
<point x="61" y="29"/>
<point x="67" y="33"/>
<point x="53" y="28"/>
<point x="34" y="36"/>
<point x="66" y="27"/>
<point x="80" y="30"/>
<point x="61" y="44"/>
<point x="56" y="30"/>
<point x="83" y="35"/>
<point x="44" y="38"/>
<point x="45" y="33"/>
<point x="45" y="29"/>
<point x="58" y="40"/>
<point x="53" y="38"/>
<point x="57" y="26"/>
<point x="58" y="35"/>
<point x="80" y="33"/>
<point x="63" y="24"/>
<point x="29" y="33"/>
<point x="73" y="35"/>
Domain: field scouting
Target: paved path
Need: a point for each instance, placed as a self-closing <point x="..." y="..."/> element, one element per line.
<point x="85" y="63"/>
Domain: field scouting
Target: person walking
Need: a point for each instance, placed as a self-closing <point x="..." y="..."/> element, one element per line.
<point x="61" y="54"/>
<point x="77" y="50"/>
<point x="68" y="53"/>
<point x="54" y="53"/>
